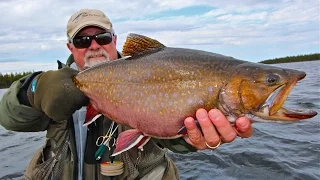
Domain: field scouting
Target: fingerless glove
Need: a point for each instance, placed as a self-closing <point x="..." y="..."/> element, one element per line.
<point x="54" y="93"/>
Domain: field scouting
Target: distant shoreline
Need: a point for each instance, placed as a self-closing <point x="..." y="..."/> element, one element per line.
<point x="288" y="59"/>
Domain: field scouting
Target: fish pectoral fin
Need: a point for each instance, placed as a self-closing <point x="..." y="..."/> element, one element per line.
<point x="128" y="139"/>
<point x="87" y="122"/>
<point x="183" y="130"/>
<point x="143" y="142"/>
<point x="91" y="115"/>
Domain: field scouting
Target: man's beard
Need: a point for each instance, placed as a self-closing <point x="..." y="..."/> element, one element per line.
<point x="102" y="54"/>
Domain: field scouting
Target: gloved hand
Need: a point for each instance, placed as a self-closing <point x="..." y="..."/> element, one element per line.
<point x="54" y="93"/>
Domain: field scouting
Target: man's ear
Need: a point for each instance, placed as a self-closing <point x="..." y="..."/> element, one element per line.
<point x="70" y="47"/>
<point x="115" y="39"/>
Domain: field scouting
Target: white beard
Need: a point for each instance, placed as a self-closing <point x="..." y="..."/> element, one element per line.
<point x="104" y="57"/>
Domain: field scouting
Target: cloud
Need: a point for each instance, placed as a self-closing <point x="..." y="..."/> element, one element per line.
<point x="296" y="13"/>
<point x="261" y="16"/>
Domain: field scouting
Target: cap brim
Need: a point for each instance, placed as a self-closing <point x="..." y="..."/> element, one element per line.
<point x="86" y="24"/>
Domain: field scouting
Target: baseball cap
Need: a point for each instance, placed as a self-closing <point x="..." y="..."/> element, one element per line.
<point x="85" y="18"/>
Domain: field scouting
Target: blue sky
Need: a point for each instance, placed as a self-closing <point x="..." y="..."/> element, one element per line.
<point x="33" y="33"/>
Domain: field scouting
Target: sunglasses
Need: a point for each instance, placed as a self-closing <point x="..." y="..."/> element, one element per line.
<point x="81" y="42"/>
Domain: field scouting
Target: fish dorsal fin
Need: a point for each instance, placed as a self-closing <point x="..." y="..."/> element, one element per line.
<point x="137" y="45"/>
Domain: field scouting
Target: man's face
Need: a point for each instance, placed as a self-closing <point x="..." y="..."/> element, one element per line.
<point x="95" y="53"/>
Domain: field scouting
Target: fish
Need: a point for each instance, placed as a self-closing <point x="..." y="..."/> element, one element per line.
<point x="154" y="88"/>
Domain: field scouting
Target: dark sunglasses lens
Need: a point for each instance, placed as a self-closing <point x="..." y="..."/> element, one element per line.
<point x="82" y="42"/>
<point x="85" y="41"/>
<point x="104" y="39"/>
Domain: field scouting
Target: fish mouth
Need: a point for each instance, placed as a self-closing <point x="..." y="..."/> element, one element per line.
<point x="272" y="108"/>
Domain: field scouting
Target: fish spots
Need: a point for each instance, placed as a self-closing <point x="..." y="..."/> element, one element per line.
<point x="184" y="72"/>
<point x="210" y="89"/>
<point x="201" y="102"/>
<point x="187" y="84"/>
<point x="154" y="96"/>
<point x="175" y="95"/>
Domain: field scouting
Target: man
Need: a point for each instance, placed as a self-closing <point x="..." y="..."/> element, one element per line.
<point x="50" y="101"/>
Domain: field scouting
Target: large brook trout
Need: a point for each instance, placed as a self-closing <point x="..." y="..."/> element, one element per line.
<point x="157" y="87"/>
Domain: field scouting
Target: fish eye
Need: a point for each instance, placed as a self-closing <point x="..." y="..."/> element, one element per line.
<point x="272" y="79"/>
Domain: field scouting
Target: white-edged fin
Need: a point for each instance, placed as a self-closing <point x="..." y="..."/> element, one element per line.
<point x="128" y="147"/>
<point x="92" y="120"/>
<point x="144" y="142"/>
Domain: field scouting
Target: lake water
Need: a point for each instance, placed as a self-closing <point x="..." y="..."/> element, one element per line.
<point x="275" y="151"/>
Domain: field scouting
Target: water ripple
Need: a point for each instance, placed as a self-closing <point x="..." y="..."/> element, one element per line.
<point x="9" y="147"/>
<point x="13" y="176"/>
<point x="7" y="133"/>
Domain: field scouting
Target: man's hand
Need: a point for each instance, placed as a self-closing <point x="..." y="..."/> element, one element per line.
<point x="54" y="93"/>
<point x="216" y="129"/>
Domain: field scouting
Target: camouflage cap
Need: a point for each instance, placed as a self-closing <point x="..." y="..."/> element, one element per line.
<point x="85" y="18"/>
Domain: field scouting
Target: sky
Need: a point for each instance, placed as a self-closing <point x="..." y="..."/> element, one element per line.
<point x="33" y="33"/>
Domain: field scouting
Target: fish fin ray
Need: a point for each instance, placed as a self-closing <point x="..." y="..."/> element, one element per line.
<point x="127" y="140"/>
<point x="86" y="123"/>
<point x="137" y="45"/>
<point x="143" y="142"/>
<point x="91" y="115"/>
<point x="182" y="131"/>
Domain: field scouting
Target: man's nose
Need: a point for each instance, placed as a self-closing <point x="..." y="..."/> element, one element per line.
<point x="94" y="45"/>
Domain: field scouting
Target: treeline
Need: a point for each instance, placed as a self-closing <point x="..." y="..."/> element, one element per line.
<point x="298" y="58"/>
<point x="7" y="79"/>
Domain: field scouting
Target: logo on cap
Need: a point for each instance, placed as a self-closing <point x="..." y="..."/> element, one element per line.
<point x="83" y="15"/>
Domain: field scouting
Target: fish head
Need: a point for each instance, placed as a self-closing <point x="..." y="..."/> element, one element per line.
<point x="259" y="91"/>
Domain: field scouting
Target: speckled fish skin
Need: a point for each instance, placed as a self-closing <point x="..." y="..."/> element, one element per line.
<point x="155" y="91"/>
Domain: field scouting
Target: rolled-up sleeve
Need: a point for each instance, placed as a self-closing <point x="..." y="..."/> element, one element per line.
<point x="18" y="117"/>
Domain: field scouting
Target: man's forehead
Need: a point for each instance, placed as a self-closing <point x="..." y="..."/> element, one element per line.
<point x="91" y="30"/>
